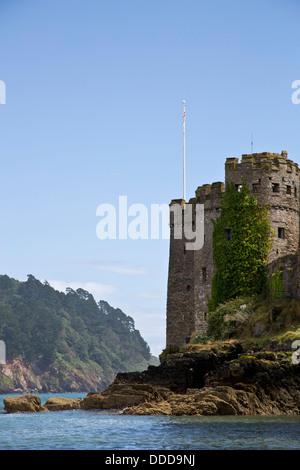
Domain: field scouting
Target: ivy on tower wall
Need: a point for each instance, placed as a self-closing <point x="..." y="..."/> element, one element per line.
<point x="241" y="243"/>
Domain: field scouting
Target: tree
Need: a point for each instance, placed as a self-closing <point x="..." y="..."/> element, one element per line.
<point x="40" y="324"/>
<point x="241" y="243"/>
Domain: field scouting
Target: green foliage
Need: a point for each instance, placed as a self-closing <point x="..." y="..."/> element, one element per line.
<point x="275" y="285"/>
<point x="41" y="325"/>
<point x="230" y="318"/>
<point x="241" y="243"/>
<point x="202" y="338"/>
<point x="237" y="318"/>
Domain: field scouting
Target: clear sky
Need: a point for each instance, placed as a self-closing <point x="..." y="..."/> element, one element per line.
<point x="93" y="111"/>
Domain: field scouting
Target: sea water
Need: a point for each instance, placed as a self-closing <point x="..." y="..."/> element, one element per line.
<point x="110" y="430"/>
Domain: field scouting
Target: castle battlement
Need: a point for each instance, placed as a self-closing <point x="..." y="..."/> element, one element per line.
<point x="266" y="160"/>
<point x="180" y="202"/>
<point x="210" y="192"/>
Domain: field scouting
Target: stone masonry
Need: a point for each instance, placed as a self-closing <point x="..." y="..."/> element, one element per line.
<point x="274" y="180"/>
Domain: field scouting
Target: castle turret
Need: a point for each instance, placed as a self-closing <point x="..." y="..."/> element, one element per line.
<point x="180" y="300"/>
<point x="274" y="180"/>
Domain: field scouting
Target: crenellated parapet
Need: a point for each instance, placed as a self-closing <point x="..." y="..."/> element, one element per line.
<point x="265" y="161"/>
<point x="210" y="194"/>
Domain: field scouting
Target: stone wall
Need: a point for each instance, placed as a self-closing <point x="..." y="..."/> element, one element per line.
<point x="204" y="270"/>
<point x="289" y="267"/>
<point x="180" y="300"/>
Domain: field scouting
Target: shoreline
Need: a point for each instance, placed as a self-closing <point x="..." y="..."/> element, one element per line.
<point x="215" y="381"/>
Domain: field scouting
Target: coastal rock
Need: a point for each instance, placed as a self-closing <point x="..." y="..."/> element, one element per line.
<point x="23" y="404"/>
<point x="217" y="401"/>
<point x="181" y="371"/>
<point x="160" y="408"/>
<point x="62" y="403"/>
<point x="260" y="383"/>
<point x="119" y="396"/>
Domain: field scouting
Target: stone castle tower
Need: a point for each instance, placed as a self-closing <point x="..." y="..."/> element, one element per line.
<point x="274" y="180"/>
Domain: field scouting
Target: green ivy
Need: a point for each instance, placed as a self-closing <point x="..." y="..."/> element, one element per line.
<point x="241" y="243"/>
<point x="275" y="285"/>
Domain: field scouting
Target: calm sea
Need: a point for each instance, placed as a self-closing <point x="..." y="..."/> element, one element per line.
<point x="98" y="430"/>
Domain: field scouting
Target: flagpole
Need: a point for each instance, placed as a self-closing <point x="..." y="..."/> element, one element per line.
<point x="183" y="123"/>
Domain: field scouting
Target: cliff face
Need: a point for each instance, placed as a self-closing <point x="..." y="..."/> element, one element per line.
<point x="15" y="376"/>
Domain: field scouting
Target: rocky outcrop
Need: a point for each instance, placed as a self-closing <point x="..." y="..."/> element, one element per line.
<point x="62" y="403"/>
<point x="32" y="404"/>
<point x="208" y="401"/>
<point x="181" y="371"/>
<point x="262" y="382"/>
<point x="227" y="380"/>
<point x="119" y="396"/>
<point x="23" y="404"/>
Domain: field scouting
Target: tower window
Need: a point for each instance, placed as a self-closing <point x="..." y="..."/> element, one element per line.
<point x="280" y="232"/>
<point x="228" y="234"/>
<point x="204" y="274"/>
<point x="289" y="190"/>
<point x="238" y="187"/>
<point x="256" y="187"/>
<point x="275" y="187"/>
<point x="188" y="288"/>
<point x="295" y="191"/>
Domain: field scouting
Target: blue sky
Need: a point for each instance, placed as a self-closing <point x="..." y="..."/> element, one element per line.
<point x="93" y="111"/>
